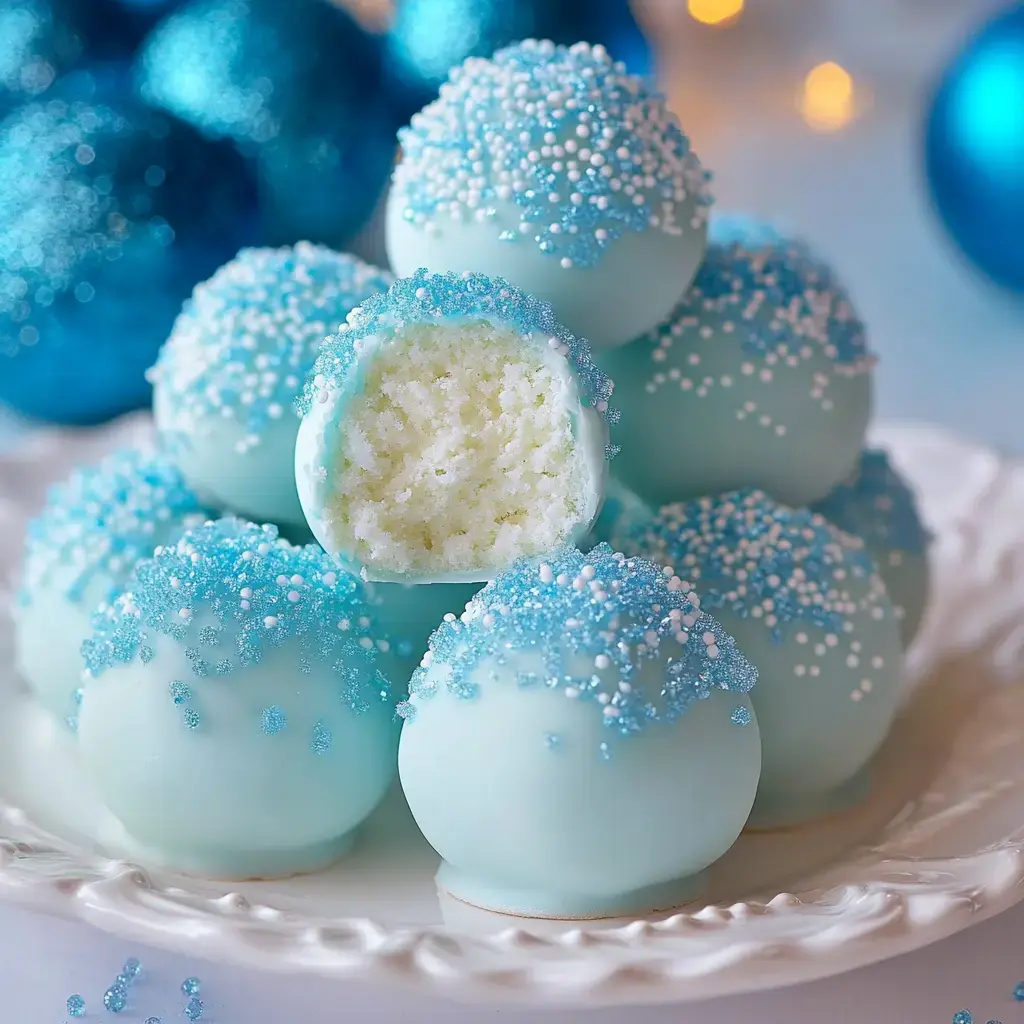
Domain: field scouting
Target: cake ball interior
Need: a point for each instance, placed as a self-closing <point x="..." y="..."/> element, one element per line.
<point x="460" y="451"/>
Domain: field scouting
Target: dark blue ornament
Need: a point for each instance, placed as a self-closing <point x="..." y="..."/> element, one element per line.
<point x="429" y="37"/>
<point x="974" y="149"/>
<point x="110" y="212"/>
<point x="296" y="85"/>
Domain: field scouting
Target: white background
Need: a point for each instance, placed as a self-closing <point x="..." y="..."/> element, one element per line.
<point x="953" y="352"/>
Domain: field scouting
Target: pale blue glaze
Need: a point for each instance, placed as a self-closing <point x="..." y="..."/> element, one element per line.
<point x="638" y="280"/>
<point x="555" y="831"/>
<point x="226" y="800"/>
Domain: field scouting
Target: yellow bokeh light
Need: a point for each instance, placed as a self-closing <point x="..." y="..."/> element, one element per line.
<point x="715" y="12"/>
<point x="826" y="101"/>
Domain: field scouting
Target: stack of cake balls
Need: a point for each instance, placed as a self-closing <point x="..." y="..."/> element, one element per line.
<point x="409" y="525"/>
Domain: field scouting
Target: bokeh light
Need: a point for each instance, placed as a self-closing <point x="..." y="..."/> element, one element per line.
<point x="715" y="12"/>
<point x="826" y="101"/>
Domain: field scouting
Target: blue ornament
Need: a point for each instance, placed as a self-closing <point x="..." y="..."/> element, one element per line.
<point x="429" y="37"/>
<point x="974" y="149"/>
<point x="297" y="85"/>
<point x="109" y="214"/>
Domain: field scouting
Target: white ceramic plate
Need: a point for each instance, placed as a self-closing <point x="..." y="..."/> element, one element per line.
<point x="938" y="847"/>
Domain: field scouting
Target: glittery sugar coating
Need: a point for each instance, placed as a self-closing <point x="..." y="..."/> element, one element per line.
<point x="613" y="611"/>
<point x="758" y="559"/>
<point x="245" y="341"/>
<point x="263" y="592"/>
<point x="585" y="151"/>
<point x="874" y="503"/>
<point x="780" y="296"/>
<point x="426" y="298"/>
<point x="102" y="520"/>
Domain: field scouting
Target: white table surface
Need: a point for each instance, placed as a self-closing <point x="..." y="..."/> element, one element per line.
<point x="952" y="351"/>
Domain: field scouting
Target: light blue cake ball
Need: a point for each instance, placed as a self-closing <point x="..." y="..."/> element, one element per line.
<point x="807" y="606"/>
<point x="580" y="743"/>
<point x="760" y="377"/>
<point x="237" y="717"/>
<point x="79" y="553"/>
<point x="451" y="426"/>
<point x="226" y="381"/>
<point x="875" y="504"/>
<point x="552" y="167"/>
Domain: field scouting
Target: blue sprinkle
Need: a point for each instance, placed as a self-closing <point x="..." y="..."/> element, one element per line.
<point x="778" y="298"/>
<point x="322" y="739"/>
<point x="404" y="709"/>
<point x="194" y="1009"/>
<point x="115" y="999"/>
<point x="102" y="520"/>
<point x="122" y="981"/>
<point x="963" y="1017"/>
<point x="190" y="987"/>
<point x="576" y="199"/>
<point x="426" y="298"/>
<point x="552" y="740"/>
<point x="250" y="334"/>
<point x="1018" y="992"/>
<point x="601" y="608"/>
<point x="153" y="1020"/>
<point x="132" y="967"/>
<point x="605" y="750"/>
<point x="78" y="695"/>
<point x="229" y="570"/>
<point x="180" y="693"/>
<point x="274" y="720"/>
<point x="740" y="715"/>
<point x="76" y="1006"/>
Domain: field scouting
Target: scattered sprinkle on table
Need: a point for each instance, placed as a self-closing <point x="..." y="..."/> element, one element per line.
<point x="76" y="1006"/>
<point x="190" y="986"/>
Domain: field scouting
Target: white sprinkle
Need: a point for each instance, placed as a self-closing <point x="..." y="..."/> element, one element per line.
<point x="270" y="621"/>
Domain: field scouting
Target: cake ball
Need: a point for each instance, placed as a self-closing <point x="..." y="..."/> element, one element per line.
<point x="554" y="168"/>
<point x="79" y="553"/>
<point x="237" y="716"/>
<point x="580" y="743"/>
<point x="451" y="426"/>
<point x="764" y="360"/>
<point x="227" y="379"/>
<point x="807" y="606"/>
<point x="875" y="504"/>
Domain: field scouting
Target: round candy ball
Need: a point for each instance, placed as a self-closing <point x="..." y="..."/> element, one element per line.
<point x="236" y="718"/>
<point x="974" y="148"/>
<point x="227" y="380"/>
<point x="554" y="168"/>
<point x="760" y="377"/>
<point x="876" y="504"/>
<point x="807" y="606"/>
<point x="452" y="426"/>
<point x="109" y="214"/>
<point x="298" y="86"/>
<point x="79" y="554"/>
<point x="429" y="37"/>
<point x="578" y="703"/>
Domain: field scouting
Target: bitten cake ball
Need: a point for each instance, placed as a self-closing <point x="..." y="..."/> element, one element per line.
<point x="450" y="427"/>
<point x="806" y="605"/>
<point x="876" y="504"/>
<point x="554" y="168"/>
<point x="78" y="555"/>
<point x="237" y="717"/>
<point x="760" y="377"/>
<point x="227" y="379"/>
<point x="580" y="702"/>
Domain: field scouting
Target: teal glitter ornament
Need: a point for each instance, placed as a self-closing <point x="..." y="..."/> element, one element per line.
<point x="297" y="87"/>
<point x="109" y="214"/>
<point x="974" y="149"/>
<point x="429" y="37"/>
